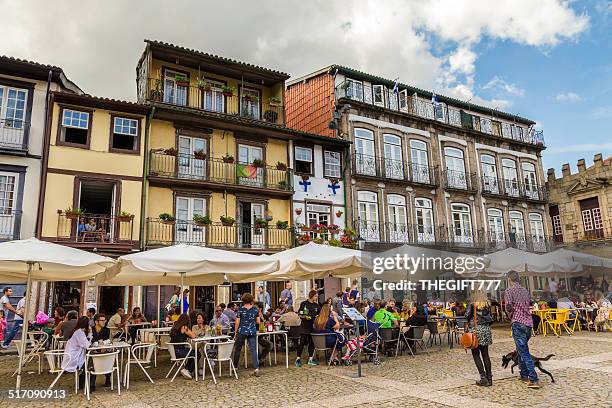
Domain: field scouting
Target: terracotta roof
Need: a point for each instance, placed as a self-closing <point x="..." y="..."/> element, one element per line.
<point x="218" y="58"/>
<point x="101" y="102"/>
<point x="6" y="58"/>
<point x="412" y="89"/>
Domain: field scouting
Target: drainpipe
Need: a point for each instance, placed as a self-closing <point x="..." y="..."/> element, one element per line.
<point x="44" y="161"/>
<point x="145" y="171"/>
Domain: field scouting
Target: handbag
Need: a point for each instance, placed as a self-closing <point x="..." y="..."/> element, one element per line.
<point x="469" y="340"/>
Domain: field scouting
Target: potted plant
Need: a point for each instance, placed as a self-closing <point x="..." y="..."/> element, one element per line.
<point x="298" y="211"/>
<point x="318" y="240"/>
<point x="304" y="239"/>
<point x="181" y="80"/>
<point x="320" y="228"/>
<point x="199" y="154"/>
<point x="348" y="242"/>
<point x="202" y="220"/>
<point x="204" y="85"/>
<point x="305" y="228"/>
<point x="259" y="163"/>
<point x="333" y="229"/>
<point x="125" y="216"/>
<point x="166" y="218"/>
<point x="227" y="221"/>
<point x="283" y="184"/>
<point x="227" y="90"/>
<point x="274" y="101"/>
<point x="261" y="223"/>
<point x="73" y="213"/>
<point x="339" y="213"/>
<point x="349" y="232"/>
<point x="228" y="158"/>
<point x="335" y="242"/>
<point x="282" y="224"/>
<point x="281" y="166"/>
<point x="156" y="93"/>
<point x="171" y="151"/>
<point x="249" y="97"/>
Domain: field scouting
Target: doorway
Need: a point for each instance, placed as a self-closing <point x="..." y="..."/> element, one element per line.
<point x="111" y="299"/>
<point x="97" y="199"/>
<point x="249" y="235"/>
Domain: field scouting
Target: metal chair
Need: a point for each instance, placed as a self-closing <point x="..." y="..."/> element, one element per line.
<point x="417" y="337"/>
<point x="388" y="338"/>
<point x="139" y="354"/>
<point x="103" y="363"/>
<point x="224" y="353"/>
<point x="294" y="334"/>
<point x="319" y="341"/>
<point x="179" y="362"/>
<point x="54" y="359"/>
<point x="31" y="353"/>
<point x="162" y="339"/>
<point x="434" y="330"/>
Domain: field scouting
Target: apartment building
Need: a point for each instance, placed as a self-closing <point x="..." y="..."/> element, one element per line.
<point x="427" y="169"/>
<point x="580" y="205"/>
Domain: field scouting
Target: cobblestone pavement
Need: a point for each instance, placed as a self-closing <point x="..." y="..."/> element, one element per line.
<point x="437" y="377"/>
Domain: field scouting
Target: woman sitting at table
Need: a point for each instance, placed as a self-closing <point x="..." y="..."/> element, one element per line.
<point x="327" y="322"/>
<point x="406" y="311"/>
<point x="417" y="319"/>
<point x="76" y="348"/>
<point x="180" y="333"/>
<point x="176" y="313"/>
<point x="136" y="319"/>
<point x="200" y="328"/>
<point x="281" y="309"/>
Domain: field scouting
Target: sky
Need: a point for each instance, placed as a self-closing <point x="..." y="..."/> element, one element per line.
<point x="547" y="60"/>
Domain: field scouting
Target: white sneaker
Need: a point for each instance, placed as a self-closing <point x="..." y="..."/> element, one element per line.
<point x="185" y="373"/>
<point x="201" y="372"/>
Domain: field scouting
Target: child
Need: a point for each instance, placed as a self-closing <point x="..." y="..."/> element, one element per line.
<point x="2" y="325"/>
<point x="351" y="346"/>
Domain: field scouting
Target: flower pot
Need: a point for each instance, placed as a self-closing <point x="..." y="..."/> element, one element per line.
<point x="228" y="160"/>
<point x="168" y="222"/>
<point x="202" y="224"/>
<point x="228" y="94"/>
<point x="274" y="104"/>
<point x="125" y="218"/>
<point x="298" y="211"/>
<point x="227" y="224"/>
<point x="72" y="216"/>
<point x="306" y="229"/>
<point x="333" y="231"/>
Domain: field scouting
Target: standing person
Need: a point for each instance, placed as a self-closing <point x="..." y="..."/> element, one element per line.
<point x="11" y="331"/>
<point x="230" y="311"/>
<point x="287" y="295"/>
<point x="100" y="333"/>
<point x="185" y="301"/>
<point x="2" y="324"/>
<point x="245" y="329"/>
<point x="484" y="336"/>
<point x="337" y="304"/>
<point x="263" y="297"/>
<point x="308" y="311"/>
<point x="517" y="305"/>
<point x="76" y="348"/>
<point x="174" y="301"/>
<point x="354" y="296"/>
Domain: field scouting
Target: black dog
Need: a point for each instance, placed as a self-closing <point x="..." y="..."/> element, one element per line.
<point x="514" y="356"/>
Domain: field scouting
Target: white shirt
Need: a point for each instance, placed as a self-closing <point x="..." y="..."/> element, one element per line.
<point x="74" y="352"/>
<point x="20" y="308"/>
<point x="553" y="286"/>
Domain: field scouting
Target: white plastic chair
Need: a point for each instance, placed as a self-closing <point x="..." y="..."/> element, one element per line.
<point x="179" y="362"/>
<point x="225" y="350"/>
<point x="162" y="339"/>
<point x="32" y="351"/>
<point x="139" y="354"/>
<point x="54" y="358"/>
<point x="104" y="363"/>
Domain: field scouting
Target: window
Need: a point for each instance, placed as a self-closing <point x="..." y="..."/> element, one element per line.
<point x="367" y="203"/>
<point x="365" y="162"/>
<point x="213" y="99"/>
<point x="529" y="176"/>
<point x="424" y="219"/>
<point x="378" y="93"/>
<point x="393" y="163"/>
<point x="249" y="103"/>
<point x="396" y="211"/>
<point x="556" y="222"/>
<point x="7" y="193"/>
<point x="318" y="214"/>
<point x="354" y="89"/>
<point x="537" y="232"/>
<point x="496" y="226"/>
<point x="462" y="223"/>
<point x="175" y="92"/>
<point x="125" y="134"/>
<point x="75" y="127"/>
<point x="332" y="164"/>
<point x="303" y="160"/>
<point x="403" y="100"/>
<point x="517" y="230"/>
<point x="510" y="177"/>
<point x="12" y="107"/>
<point x="455" y="168"/>
<point x="489" y="174"/>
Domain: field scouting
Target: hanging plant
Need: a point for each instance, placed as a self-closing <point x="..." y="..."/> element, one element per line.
<point x="181" y="80"/>
<point x="281" y="166"/>
<point x="274" y="101"/>
<point x="166" y="218"/>
<point x="228" y="158"/>
<point x="339" y="213"/>
<point x="202" y="220"/>
<point x="171" y="151"/>
<point x="73" y="213"/>
<point x="227" y="90"/>
<point x="298" y="211"/>
<point x="227" y="221"/>
<point x="282" y="224"/>
<point x="305" y="177"/>
<point x="199" y="154"/>
<point x="125" y="216"/>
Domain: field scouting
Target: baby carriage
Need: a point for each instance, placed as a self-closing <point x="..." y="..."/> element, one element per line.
<point x="369" y="342"/>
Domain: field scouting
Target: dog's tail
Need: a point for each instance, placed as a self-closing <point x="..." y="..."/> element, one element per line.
<point x="547" y="357"/>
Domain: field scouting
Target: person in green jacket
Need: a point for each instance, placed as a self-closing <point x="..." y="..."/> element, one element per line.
<point x="386" y="319"/>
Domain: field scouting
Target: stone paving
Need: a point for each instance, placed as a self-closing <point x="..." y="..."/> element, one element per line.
<point x="437" y="377"/>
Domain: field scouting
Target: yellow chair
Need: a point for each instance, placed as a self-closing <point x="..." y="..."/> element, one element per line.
<point x="448" y="313"/>
<point x="556" y="319"/>
<point x="573" y="321"/>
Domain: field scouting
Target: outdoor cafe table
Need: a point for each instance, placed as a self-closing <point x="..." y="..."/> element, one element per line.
<point x="148" y="334"/>
<point x="273" y="334"/>
<point x="205" y="339"/>
<point x="449" y="322"/>
<point x="121" y="345"/>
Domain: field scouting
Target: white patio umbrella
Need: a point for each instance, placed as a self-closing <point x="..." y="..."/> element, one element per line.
<point x="31" y="259"/>
<point x="501" y="262"/>
<point x="580" y="258"/>
<point x="312" y="261"/>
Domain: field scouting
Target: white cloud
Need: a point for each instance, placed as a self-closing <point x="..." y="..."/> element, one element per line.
<point x="99" y="51"/>
<point x="602" y="112"/>
<point x="499" y="85"/>
<point x="568" y="97"/>
<point x="584" y="147"/>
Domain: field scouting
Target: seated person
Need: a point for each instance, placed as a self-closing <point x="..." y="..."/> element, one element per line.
<point x="327" y="322"/>
<point x="265" y="345"/>
<point x="220" y="319"/>
<point x="281" y="309"/>
<point x="176" y="313"/>
<point x="136" y="318"/>
<point x="386" y="319"/>
<point x="66" y="327"/>
<point x="179" y="333"/>
<point x="116" y="323"/>
<point x="76" y="349"/>
<point x="200" y="328"/>
<point x="100" y="333"/>
<point x="417" y="319"/>
<point x="406" y="311"/>
<point x="290" y="318"/>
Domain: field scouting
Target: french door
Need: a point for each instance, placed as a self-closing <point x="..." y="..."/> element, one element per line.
<point x="174" y="93"/>
<point x="529" y="176"/>
<point x="369" y="228"/>
<point x="455" y="168"/>
<point x="517" y="230"/>
<point x="424" y="220"/>
<point x="510" y="177"/>
<point x="8" y="195"/>
<point x="188" y="166"/>
<point x="496" y="227"/>
<point x="420" y="162"/>
<point x="394" y="165"/>
<point x="247" y="154"/>
<point x="489" y="174"/>
<point x="365" y="156"/>
<point x="462" y="224"/>
<point x="187" y="232"/>
<point x="591" y="218"/>
<point x="249" y="235"/>
<point x="249" y="103"/>
<point x="397" y="228"/>
<point x="537" y="232"/>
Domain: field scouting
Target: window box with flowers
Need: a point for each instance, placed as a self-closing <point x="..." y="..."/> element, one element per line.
<point x="227" y="90"/>
<point x="199" y="154"/>
<point x="304" y="239"/>
<point x="227" y="221"/>
<point x="228" y="158"/>
<point x="125" y="217"/>
<point x="167" y="219"/>
<point x="320" y="228"/>
<point x="202" y="220"/>
<point x="333" y="229"/>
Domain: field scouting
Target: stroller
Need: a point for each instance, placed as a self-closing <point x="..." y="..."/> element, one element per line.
<point x="369" y="345"/>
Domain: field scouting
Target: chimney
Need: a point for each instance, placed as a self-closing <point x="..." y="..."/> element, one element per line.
<point x="565" y="170"/>
<point x="581" y="165"/>
<point x="551" y="175"/>
<point x="597" y="159"/>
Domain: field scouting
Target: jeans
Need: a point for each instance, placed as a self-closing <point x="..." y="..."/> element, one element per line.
<point x="12" y="331"/>
<point x="305" y="339"/>
<point x="521" y="334"/>
<point x="483" y="365"/>
<point x="265" y="346"/>
<point x="182" y="352"/>
<point x="252" y="339"/>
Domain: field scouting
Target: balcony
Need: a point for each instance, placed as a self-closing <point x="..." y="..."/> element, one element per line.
<point x="531" y="243"/>
<point x="12" y="135"/>
<point x="513" y="189"/>
<point x="216" y="102"/>
<point x="394" y="170"/>
<point x="459" y="181"/>
<point x="8" y="224"/>
<point x="595" y="235"/>
<point x="237" y="236"/>
<point x="189" y="169"/>
<point x="100" y="231"/>
<point x="441" y="112"/>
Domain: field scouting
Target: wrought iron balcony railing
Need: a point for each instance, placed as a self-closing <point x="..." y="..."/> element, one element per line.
<point x="441" y="112"/>
<point x="600" y="231"/>
<point x="199" y="168"/>
<point x="459" y="180"/>
<point x="513" y="188"/>
<point x="12" y="134"/>
<point x="8" y="223"/>
<point x="238" y="236"/>
<point x="392" y="169"/>
<point x="213" y="99"/>
<point x="98" y="229"/>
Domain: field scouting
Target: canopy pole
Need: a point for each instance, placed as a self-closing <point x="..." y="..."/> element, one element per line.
<point x="181" y="293"/>
<point x="158" y="306"/>
<point x="24" y="325"/>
